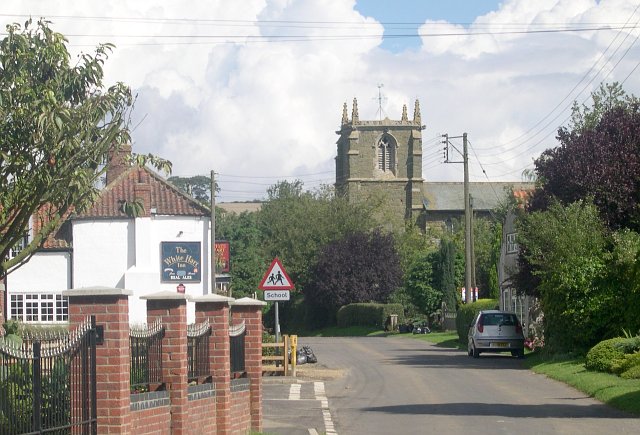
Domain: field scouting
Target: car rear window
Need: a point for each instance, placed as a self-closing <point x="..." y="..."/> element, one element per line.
<point x="501" y="319"/>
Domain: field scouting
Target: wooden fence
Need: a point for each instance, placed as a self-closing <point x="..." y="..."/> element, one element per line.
<point x="275" y="357"/>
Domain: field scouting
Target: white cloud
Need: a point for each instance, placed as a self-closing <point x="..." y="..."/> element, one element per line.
<point x="231" y="102"/>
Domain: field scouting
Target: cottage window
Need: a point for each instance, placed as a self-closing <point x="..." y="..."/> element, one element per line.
<point x="19" y="246"/>
<point x="39" y="308"/>
<point x="512" y="245"/>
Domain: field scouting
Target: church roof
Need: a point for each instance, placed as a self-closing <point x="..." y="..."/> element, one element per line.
<point x="447" y="196"/>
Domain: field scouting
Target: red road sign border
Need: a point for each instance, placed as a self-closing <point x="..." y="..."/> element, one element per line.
<point x="262" y="285"/>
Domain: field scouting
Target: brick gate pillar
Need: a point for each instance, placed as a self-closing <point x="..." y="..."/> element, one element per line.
<point x="216" y="308"/>
<point x="110" y="306"/>
<point x="250" y="310"/>
<point x="171" y="309"/>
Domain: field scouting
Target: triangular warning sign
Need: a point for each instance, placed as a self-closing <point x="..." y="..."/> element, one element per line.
<point x="276" y="278"/>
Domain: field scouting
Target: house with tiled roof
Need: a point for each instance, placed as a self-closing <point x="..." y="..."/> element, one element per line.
<point x="510" y="299"/>
<point x="142" y="234"/>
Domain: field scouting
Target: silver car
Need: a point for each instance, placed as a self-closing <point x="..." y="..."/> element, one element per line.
<point x="495" y="331"/>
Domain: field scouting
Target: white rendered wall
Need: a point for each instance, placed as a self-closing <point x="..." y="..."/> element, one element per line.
<point x="45" y="272"/>
<point x="145" y="276"/>
<point x="102" y="252"/>
<point x="126" y="254"/>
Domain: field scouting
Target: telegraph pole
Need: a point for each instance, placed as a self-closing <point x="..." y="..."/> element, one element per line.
<point x="467" y="212"/>
<point x="213" y="233"/>
<point x="473" y="249"/>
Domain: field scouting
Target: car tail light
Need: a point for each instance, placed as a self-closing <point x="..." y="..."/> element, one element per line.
<point x="480" y="326"/>
<point x="518" y="328"/>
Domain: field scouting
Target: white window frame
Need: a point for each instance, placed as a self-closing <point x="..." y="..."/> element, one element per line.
<point x="19" y="246"/>
<point x="39" y="307"/>
<point x="512" y="244"/>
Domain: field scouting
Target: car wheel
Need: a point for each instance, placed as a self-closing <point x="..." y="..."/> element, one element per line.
<point x="520" y="353"/>
<point x="469" y="351"/>
<point x="475" y="352"/>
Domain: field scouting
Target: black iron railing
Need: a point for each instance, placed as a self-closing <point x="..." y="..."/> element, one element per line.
<point x="198" y="351"/>
<point x="237" y="335"/>
<point x="49" y="386"/>
<point x="145" y="343"/>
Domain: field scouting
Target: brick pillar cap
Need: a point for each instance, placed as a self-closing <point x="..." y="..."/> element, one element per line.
<point x="97" y="291"/>
<point x="248" y="302"/>
<point x="213" y="298"/>
<point x="167" y="295"/>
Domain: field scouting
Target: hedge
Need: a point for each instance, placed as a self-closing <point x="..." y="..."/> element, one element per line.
<point x="368" y="314"/>
<point x="466" y="314"/>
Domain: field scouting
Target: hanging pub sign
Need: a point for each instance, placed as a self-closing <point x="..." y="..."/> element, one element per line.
<point x="222" y="256"/>
<point x="180" y="261"/>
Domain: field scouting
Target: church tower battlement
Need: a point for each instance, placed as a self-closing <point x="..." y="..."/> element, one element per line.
<point x="381" y="158"/>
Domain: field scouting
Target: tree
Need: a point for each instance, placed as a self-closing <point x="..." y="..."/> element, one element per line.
<point x="247" y="255"/>
<point x="566" y="248"/>
<point x="598" y="157"/>
<point x="296" y="224"/>
<point x="421" y="283"/>
<point x="448" y="277"/>
<point x="361" y="267"/>
<point x="198" y="186"/>
<point x="487" y="237"/>
<point x="57" y="126"/>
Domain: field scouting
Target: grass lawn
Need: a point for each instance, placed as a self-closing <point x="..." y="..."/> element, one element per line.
<point x="619" y="393"/>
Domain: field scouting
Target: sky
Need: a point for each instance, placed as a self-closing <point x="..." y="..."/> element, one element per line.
<point x="254" y="89"/>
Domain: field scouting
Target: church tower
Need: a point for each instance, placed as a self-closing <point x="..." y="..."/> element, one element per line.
<point x="382" y="159"/>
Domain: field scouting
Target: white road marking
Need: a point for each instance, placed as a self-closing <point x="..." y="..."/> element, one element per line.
<point x="294" y="391"/>
<point x="318" y="388"/>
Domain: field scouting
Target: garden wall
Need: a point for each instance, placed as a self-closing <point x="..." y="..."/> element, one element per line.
<point x="213" y="405"/>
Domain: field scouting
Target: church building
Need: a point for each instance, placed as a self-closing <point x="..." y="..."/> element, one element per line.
<point x="382" y="159"/>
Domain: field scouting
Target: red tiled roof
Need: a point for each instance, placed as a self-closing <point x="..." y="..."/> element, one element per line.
<point x="139" y="182"/>
<point x="55" y="239"/>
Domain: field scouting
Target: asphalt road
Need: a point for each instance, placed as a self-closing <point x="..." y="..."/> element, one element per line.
<point x="395" y="385"/>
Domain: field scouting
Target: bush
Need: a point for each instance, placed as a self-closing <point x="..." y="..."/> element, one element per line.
<point x="368" y="314"/>
<point x="629" y="344"/>
<point x="632" y="373"/>
<point x="467" y="312"/>
<point x="626" y="363"/>
<point x="606" y="355"/>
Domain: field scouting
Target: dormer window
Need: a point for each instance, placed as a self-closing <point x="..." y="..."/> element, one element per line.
<point x="387" y="154"/>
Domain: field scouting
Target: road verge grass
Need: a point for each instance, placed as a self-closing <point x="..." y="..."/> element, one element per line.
<point x="623" y="394"/>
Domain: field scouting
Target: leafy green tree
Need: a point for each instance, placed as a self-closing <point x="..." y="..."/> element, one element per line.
<point x="487" y="238"/>
<point x="622" y="284"/>
<point x="198" y="186"/>
<point x="360" y="267"/>
<point x="421" y="283"/>
<point x="566" y="248"/>
<point x="247" y="255"/>
<point x="448" y="277"/>
<point x="57" y="126"/>
<point x="296" y="224"/>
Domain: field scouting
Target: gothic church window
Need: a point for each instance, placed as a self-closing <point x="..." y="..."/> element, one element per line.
<point x="386" y="154"/>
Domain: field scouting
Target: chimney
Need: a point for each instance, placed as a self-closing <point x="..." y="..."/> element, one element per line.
<point x="142" y="191"/>
<point x="117" y="163"/>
